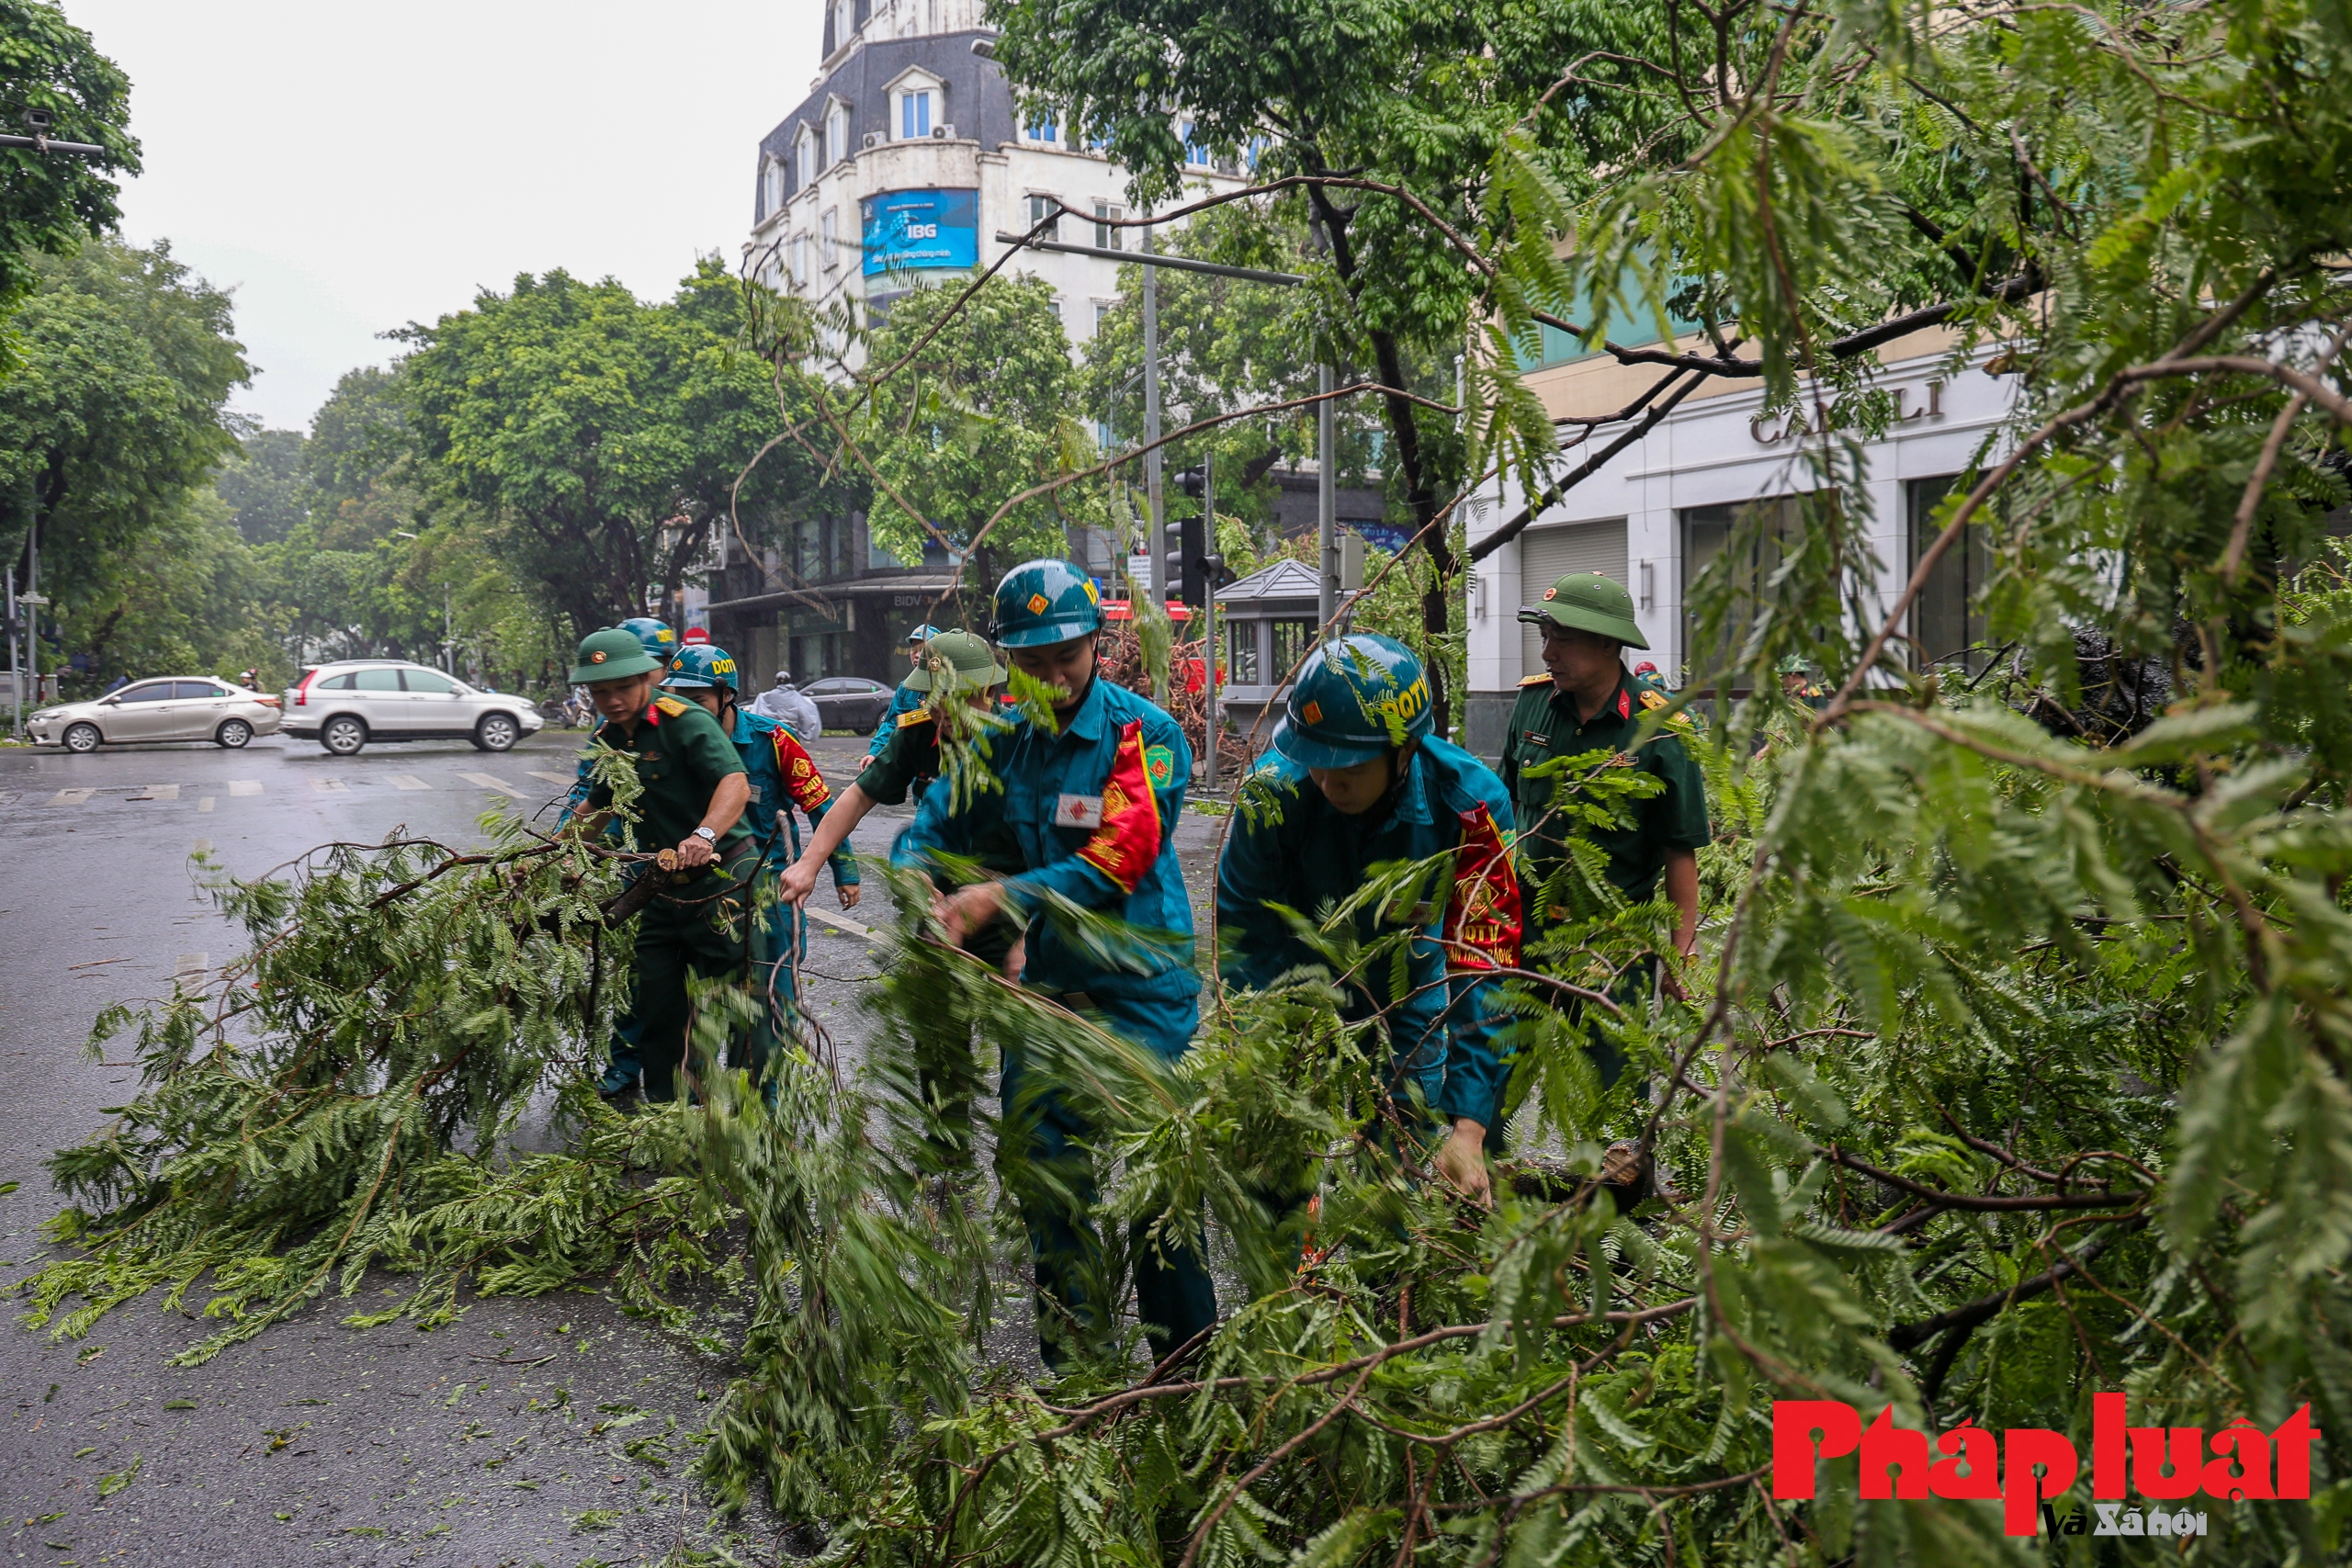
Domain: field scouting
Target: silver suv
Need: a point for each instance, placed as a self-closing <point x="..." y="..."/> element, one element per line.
<point x="348" y="704"/>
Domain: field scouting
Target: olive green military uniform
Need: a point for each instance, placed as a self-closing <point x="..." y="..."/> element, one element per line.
<point x="696" y="924"/>
<point x="946" y="1067"/>
<point x="1546" y="723"/>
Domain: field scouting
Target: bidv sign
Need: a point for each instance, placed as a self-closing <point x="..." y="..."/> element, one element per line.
<point x="2168" y="1466"/>
<point x="921" y="229"/>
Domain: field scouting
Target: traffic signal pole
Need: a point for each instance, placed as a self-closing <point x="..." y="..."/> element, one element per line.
<point x="1157" y="530"/>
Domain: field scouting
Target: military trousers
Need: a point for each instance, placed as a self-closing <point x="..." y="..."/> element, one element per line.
<point x="1174" y="1296"/>
<point x="694" y="927"/>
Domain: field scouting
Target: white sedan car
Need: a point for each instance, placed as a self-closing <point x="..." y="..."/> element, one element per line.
<point x="182" y="708"/>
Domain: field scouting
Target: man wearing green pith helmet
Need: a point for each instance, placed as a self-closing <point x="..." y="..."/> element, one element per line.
<point x="1584" y="700"/>
<point x="694" y="792"/>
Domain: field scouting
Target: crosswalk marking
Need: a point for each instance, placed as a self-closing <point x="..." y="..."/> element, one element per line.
<point x="407" y="780"/>
<point x="329" y="785"/>
<point x="69" y="797"/>
<point x="204" y="805"/>
<point x="551" y="778"/>
<point x="489" y="782"/>
<point x="192" y="966"/>
<point x="158" y="791"/>
<point x="245" y="786"/>
<point x="203" y="847"/>
<point x="838" y="923"/>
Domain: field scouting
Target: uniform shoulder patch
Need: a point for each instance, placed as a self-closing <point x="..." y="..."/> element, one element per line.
<point x="670" y="707"/>
<point x="1536" y="681"/>
<point x="1652" y="699"/>
<point x="1159" y="765"/>
<point x="914" y="716"/>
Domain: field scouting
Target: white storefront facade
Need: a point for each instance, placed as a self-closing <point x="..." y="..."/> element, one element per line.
<point x="1654" y="514"/>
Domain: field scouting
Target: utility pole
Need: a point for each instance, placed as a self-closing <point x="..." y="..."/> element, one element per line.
<point x="1213" y="563"/>
<point x="1326" y="503"/>
<point x="1153" y="498"/>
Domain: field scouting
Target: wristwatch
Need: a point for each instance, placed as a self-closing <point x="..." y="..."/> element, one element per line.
<point x="706" y="835"/>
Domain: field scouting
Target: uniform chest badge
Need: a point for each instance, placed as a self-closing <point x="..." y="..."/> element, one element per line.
<point x="1160" y="763"/>
<point x="1078" y="811"/>
<point x="1533" y="739"/>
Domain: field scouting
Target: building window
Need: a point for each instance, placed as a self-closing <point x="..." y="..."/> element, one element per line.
<point x="914" y="114"/>
<point x="771" y="185"/>
<point x="829" y="239"/>
<point x="844" y="22"/>
<point x="807" y="150"/>
<point x="1047" y="211"/>
<point x="1292" y="640"/>
<point x="836" y="133"/>
<point x="1044" y="129"/>
<point x="1948" y="619"/>
<point x="1197" y="156"/>
<point x="1106" y="238"/>
<point x="1241" y="653"/>
<point x="1258" y="145"/>
<point x="1750" y="540"/>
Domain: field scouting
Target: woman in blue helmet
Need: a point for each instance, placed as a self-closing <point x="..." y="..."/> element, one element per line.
<point x="1089" y="805"/>
<point x="1356" y="780"/>
<point x="782" y="777"/>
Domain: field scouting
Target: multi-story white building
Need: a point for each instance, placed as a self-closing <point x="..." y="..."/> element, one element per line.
<point x="900" y="169"/>
<point x="1658" y="511"/>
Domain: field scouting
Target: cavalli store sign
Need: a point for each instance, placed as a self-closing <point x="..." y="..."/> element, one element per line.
<point x="2025" y="1465"/>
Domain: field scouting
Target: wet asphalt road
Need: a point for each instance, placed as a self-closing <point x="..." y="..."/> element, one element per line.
<point x="503" y="1440"/>
<point x="482" y="1444"/>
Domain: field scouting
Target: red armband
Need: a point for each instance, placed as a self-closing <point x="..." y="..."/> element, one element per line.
<point x="1482" y="920"/>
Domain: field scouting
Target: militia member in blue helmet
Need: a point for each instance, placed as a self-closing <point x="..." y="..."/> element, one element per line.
<point x="783" y="776"/>
<point x="1356" y="782"/>
<point x="909" y="696"/>
<point x="1090" y="807"/>
<point x="660" y="644"/>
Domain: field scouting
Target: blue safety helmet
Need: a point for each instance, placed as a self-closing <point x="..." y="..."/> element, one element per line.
<point x="702" y="664"/>
<point x="1044" y="602"/>
<point x="657" y="636"/>
<point x="921" y="635"/>
<point x="1355" y="699"/>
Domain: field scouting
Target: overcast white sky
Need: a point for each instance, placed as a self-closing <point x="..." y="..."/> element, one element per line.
<point x="347" y="168"/>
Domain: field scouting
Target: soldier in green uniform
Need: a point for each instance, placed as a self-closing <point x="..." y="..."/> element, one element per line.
<point x="1586" y="701"/>
<point x="955" y="667"/>
<point x="695" y="793"/>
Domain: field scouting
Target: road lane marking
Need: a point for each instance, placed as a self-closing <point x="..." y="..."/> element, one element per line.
<point x="489" y="782"/>
<point x="564" y="779"/>
<point x="203" y="847"/>
<point x="838" y="923"/>
<point x="158" y="791"/>
<point x="69" y="797"/>
<point x="204" y="805"/>
<point x="192" y="966"/>
<point x="407" y="780"/>
<point x="245" y="786"/>
<point x="330" y="784"/>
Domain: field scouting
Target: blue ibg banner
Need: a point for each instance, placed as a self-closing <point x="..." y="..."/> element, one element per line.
<point x="921" y="229"/>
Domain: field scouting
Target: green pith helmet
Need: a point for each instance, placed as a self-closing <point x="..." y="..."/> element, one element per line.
<point x="702" y="664"/>
<point x="956" y="661"/>
<point x="655" y="636"/>
<point x="1589" y="602"/>
<point x="1044" y="602"/>
<point x="613" y="654"/>
<point x="1354" y="699"/>
<point x="1794" y="665"/>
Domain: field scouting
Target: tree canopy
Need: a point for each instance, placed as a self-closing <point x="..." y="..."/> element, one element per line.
<point x="50" y="202"/>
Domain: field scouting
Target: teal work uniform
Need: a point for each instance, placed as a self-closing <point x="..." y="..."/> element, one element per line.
<point x="1091" y="810"/>
<point x="696" y="924"/>
<point x="1447" y="1026"/>
<point x="903" y="700"/>
<point x="1546" y="723"/>
<point x="783" y="777"/>
<point x="946" y="1073"/>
